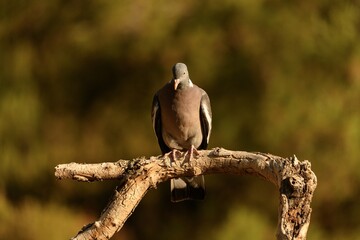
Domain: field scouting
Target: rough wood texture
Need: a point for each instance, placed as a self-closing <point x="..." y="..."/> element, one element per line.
<point x="294" y="179"/>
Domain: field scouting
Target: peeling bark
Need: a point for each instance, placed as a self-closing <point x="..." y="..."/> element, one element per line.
<point x="294" y="179"/>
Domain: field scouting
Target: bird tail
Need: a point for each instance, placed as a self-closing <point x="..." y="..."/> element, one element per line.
<point x="187" y="188"/>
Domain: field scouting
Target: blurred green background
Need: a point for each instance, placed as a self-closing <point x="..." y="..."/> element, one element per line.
<point x="76" y="84"/>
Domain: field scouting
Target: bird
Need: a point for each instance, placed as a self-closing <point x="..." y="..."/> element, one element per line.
<point x="182" y="119"/>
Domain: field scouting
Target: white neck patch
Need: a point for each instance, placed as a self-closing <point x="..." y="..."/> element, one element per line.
<point x="190" y="83"/>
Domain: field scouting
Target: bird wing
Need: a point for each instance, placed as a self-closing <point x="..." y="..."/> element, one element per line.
<point x="206" y="119"/>
<point x="157" y="125"/>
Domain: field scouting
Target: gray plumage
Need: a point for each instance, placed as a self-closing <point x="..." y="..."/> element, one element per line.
<point x="181" y="116"/>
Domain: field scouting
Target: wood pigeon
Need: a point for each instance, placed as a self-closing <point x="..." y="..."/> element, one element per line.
<point x="181" y="117"/>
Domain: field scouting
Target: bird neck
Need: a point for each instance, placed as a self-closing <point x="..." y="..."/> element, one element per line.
<point x="185" y="83"/>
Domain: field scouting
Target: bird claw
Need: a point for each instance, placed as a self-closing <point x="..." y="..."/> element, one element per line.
<point x="173" y="156"/>
<point x="191" y="154"/>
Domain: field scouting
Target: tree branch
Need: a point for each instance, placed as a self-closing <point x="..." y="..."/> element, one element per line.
<point x="294" y="179"/>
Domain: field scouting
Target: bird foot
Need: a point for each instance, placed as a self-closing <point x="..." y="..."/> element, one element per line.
<point x="191" y="154"/>
<point x="173" y="156"/>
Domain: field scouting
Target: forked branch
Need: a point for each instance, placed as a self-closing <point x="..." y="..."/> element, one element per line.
<point x="294" y="179"/>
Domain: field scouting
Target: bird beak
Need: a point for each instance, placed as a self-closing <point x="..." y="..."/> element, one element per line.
<point x="176" y="83"/>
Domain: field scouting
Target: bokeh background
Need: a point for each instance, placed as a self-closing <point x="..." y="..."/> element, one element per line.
<point x="76" y="84"/>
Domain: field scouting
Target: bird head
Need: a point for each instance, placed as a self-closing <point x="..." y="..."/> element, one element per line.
<point x="180" y="75"/>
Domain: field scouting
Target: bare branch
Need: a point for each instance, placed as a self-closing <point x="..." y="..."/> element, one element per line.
<point x="91" y="172"/>
<point x="294" y="179"/>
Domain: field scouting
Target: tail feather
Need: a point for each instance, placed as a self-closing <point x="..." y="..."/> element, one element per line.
<point x="187" y="188"/>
